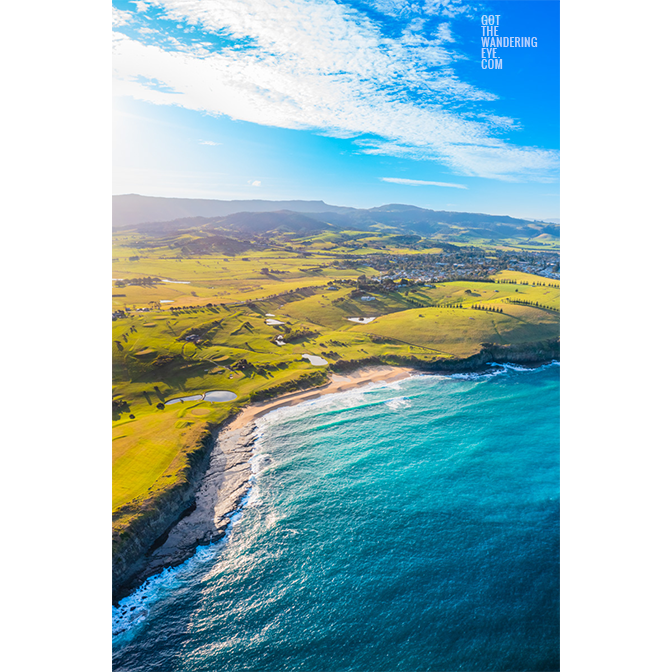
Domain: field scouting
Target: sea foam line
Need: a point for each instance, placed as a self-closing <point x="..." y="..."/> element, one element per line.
<point x="134" y="609"/>
<point x="354" y="398"/>
<point x="497" y="369"/>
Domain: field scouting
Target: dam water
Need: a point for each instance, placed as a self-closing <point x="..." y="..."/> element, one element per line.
<point x="407" y="526"/>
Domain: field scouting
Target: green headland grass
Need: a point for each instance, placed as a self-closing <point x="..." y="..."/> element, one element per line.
<point x="189" y="347"/>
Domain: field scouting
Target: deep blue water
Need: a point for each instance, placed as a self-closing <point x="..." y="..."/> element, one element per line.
<point x="412" y="526"/>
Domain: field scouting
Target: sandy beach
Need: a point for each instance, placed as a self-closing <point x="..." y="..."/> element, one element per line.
<point x="338" y="383"/>
<point x="221" y="490"/>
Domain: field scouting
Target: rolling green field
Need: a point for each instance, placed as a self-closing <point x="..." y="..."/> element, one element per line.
<point x="198" y="322"/>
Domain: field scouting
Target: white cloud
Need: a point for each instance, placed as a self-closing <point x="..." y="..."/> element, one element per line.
<point x="407" y="8"/>
<point x="501" y="122"/>
<point x="120" y="18"/>
<point x="395" y="7"/>
<point x="140" y="5"/>
<point x="421" y="183"/>
<point x="325" y="67"/>
<point x="254" y="183"/>
<point x="444" y="34"/>
<point x="208" y="142"/>
<point x="451" y="8"/>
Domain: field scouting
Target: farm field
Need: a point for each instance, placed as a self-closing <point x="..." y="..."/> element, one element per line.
<point x="191" y="321"/>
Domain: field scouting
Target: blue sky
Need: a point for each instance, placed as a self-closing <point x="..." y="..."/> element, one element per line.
<point x="356" y="103"/>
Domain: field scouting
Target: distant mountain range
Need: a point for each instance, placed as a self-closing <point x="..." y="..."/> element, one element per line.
<point x="158" y="215"/>
<point x="129" y="209"/>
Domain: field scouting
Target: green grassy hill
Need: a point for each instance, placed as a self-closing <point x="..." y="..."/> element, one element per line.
<point x="191" y="319"/>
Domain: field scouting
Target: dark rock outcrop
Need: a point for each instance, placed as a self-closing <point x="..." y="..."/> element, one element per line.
<point x="219" y="496"/>
<point x="165" y="527"/>
<point x="138" y="524"/>
<point x="525" y="353"/>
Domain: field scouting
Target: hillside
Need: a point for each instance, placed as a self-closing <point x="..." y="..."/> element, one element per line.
<point x="164" y="216"/>
<point x="212" y="313"/>
<point x="131" y="209"/>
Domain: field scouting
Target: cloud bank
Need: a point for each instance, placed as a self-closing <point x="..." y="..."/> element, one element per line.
<point x="324" y="66"/>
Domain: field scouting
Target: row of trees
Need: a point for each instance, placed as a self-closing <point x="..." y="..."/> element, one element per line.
<point x="491" y="309"/>
<point x="524" y="282"/>
<point x="143" y="282"/>
<point x="533" y="304"/>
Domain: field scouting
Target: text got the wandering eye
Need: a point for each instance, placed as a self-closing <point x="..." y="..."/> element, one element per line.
<point x="491" y="40"/>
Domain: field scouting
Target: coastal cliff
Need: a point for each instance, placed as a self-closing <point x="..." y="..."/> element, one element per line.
<point x="220" y="492"/>
<point x="165" y="527"/>
<point x="524" y="353"/>
<point x="140" y="524"/>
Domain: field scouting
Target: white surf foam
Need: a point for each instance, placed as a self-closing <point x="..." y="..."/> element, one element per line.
<point x="496" y="369"/>
<point x="353" y="398"/>
<point x="134" y="609"/>
<point x="398" y="403"/>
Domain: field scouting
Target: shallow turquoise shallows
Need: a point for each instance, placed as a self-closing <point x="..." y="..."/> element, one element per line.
<point x="410" y="526"/>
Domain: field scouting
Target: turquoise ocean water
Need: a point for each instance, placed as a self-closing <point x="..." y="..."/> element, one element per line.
<point x="409" y="526"/>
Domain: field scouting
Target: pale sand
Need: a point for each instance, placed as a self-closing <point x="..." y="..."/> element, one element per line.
<point x="337" y="383"/>
<point x="226" y="481"/>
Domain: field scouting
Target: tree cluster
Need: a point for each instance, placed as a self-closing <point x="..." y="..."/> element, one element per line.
<point x="491" y="309"/>
<point x="299" y="334"/>
<point x="533" y="304"/>
<point x="143" y="282"/>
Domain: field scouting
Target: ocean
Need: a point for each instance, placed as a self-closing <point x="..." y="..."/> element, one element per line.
<point x="404" y="526"/>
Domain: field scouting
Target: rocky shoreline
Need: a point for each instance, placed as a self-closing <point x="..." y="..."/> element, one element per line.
<point x="219" y="494"/>
<point x="139" y="525"/>
<point x="530" y="354"/>
<point x="201" y="513"/>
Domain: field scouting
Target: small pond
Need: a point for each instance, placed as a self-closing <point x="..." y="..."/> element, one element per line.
<point x="213" y="395"/>
<point x="219" y="395"/>
<point x="315" y="360"/>
<point x="193" y="397"/>
<point x="360" y="320"/>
